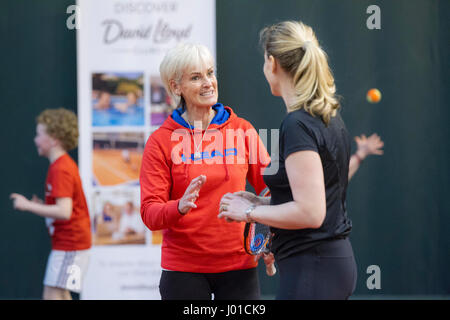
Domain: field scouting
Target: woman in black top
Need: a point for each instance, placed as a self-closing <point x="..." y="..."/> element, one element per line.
<point x="307" y="210"/>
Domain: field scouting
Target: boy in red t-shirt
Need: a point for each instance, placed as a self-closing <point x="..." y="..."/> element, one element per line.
<point x="65" y="207"/>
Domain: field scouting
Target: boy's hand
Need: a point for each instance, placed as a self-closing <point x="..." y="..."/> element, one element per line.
<point x="19" y="202"/>
<point x="36" y="199"/>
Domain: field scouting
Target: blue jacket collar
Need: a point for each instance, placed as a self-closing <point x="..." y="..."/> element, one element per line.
<point x="221" y="116"/>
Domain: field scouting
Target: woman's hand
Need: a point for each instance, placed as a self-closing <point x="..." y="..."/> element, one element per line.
<point x="187" y="202"/>
<point x="368" y="146"/>
<point x="253" y="198"/>
<point x="269" y="261"/>
<point x="232" y="207"/>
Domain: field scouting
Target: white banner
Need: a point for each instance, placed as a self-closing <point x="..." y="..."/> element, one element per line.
<point x="121" y="101"/>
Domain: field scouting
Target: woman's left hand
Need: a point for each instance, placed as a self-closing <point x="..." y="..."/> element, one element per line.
<point x="232" y="207"/>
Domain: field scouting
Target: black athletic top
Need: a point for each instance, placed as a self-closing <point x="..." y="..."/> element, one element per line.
<point x="300" y="131"/>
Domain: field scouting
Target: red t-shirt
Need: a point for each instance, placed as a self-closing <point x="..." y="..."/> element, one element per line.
<point x="63" y="181"/>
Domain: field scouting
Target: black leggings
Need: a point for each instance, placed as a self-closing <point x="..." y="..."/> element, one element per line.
<point x="231" y="285"/>
<point x="324" y="272"/>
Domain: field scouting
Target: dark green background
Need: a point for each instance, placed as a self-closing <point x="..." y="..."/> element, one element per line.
<point x="398" y="202"/>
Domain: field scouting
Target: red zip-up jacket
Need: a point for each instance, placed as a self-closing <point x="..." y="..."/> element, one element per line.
<point x="199" y="241"/>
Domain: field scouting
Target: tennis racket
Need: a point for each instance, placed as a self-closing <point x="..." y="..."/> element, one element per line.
<point x="258" y="239"/>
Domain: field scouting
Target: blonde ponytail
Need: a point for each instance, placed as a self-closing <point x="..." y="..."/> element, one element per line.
<point x="296" y="48"/>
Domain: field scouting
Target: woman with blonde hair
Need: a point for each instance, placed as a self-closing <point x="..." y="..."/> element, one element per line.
<point x="181" y="187"/>
<point x="307" y="209"/>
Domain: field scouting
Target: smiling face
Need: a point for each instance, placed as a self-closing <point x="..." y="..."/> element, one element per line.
<point x="198" y="86"/>
<point x="44" y="143"/>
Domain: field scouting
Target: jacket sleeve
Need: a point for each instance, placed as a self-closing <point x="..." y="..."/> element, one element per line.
<point x="258" y="159"/>
<point x="157" y="210"/>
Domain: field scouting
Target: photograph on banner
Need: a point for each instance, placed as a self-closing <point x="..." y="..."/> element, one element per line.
<point x="116" y="217"/>
<point x="160" y="102"/>
<point x="117" y="158"/>
<point x="117" y="99"/>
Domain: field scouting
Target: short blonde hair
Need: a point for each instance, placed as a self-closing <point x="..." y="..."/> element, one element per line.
<point x="179" y="58"/>
<point x="295" y="46"/>
<point x="62" y="125"/>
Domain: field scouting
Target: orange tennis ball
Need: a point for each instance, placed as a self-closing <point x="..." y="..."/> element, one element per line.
<point x="373" y="95"/>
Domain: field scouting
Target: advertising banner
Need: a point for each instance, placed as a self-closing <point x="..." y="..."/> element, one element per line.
<point x="121" y="101"/>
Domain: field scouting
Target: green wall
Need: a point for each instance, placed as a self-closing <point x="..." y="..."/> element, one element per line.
<point x="399" y="202"/>
<point x="38" y="71"/>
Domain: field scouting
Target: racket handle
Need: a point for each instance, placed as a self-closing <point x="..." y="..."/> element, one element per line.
<point x="271" y="270"/>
